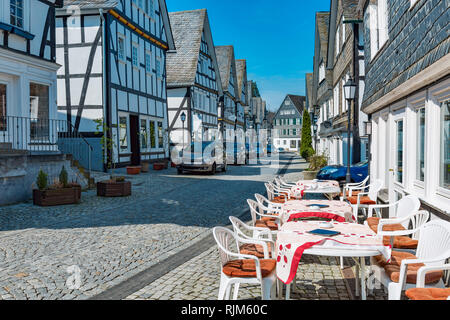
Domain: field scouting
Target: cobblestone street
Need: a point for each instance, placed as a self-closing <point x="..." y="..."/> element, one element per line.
<point x="112" y="240"/>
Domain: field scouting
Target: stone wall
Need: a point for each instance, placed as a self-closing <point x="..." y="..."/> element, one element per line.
<point x="418" y="37"/>
<point x="18" y="174"/>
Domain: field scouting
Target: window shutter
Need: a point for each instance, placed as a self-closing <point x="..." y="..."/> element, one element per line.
<point x="382" y="22"/>
<point x="373" y="23"/>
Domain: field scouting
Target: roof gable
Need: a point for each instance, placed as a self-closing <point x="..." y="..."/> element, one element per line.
<point x="227" y="67"/>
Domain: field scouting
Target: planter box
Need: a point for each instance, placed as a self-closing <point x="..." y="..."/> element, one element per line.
<point x="159" y="166"/>
<point x="113" y="189"/>
<point x="310" y="175"/>
<point x="47" y="198"/>
<point x="134" y="170"/>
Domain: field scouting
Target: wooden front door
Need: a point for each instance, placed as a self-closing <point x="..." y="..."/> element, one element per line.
<point x="134" y="141"/>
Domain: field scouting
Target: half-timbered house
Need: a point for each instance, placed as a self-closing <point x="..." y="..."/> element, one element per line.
<point x="193" y="79"/>
<point x="228" y="107"/>
<point x="113" y="57"/>
<point x="287" y="123"/>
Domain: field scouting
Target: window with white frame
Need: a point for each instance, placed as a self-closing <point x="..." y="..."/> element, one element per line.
<point x="148" y="62"/>
<point x="420" y="173"/>
<point x="444" y="164"/>
<point x="150" y="8"/>
<point x="135" y="55"/>
<point x="123" y="133"/>
<point x="321" y="72"/>
<point x="17" y="13"/>
<point x="121" y="47"/>
<point x="336" y="100"/>
<point x="378" y="24"/>
<point x="158" y="67"/>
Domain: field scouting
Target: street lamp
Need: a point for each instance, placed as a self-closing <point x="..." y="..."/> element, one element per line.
<point x="183" y="119"/>
<point x="349" y="92"/>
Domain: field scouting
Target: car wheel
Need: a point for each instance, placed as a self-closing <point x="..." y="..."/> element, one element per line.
<point x="224" y="169"/>
<point x="180" y="171"/>
<point x="213" y="169"/>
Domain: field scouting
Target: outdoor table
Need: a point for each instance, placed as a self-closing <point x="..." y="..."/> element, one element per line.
<point x="340" y="211"/>
<point x="328" y="187"/>
<point x="355" y="241"/>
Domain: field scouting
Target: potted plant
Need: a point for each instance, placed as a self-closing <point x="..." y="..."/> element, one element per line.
<point x="316" y="162"/>
<point x="115" y="186"/>
<point x="59" y="193"/>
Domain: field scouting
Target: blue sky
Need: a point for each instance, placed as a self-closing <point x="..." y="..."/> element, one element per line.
<point x="275" y="37"/>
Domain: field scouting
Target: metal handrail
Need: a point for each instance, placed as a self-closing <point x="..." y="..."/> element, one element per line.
<point x="43" y="135"/>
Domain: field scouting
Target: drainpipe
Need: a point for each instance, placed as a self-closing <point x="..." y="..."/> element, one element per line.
<point x="105" y="95"/>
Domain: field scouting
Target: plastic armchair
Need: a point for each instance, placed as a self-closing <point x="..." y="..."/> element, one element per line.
<point x="273" y="191"/>
<point x="404" y="207"/>
<point x="283" y="184"/>
<point x="350" y="187"/>
<point x="433" y="250"/>
<point x="374" y="189"/>
<point x="271" y="207"/>
<point x="257" y="211"/>
<point x="224" y="239"/>
<point x="263" y="235"/>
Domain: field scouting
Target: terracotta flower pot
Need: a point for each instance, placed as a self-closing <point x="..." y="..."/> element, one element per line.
<point x="310" y="175"/>
<point x="134" y="170"/>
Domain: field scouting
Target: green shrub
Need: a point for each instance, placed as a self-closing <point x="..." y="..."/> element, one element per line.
<point x="317" y="162"/>
<point x="42" y="180"/>
<point x="64" y="177"/>
<point x="307" y="153"/>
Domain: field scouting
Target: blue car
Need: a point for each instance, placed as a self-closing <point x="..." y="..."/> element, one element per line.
<point x="358" y="172"/>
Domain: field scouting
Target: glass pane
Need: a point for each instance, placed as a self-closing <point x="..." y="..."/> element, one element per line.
<point x="160" y="135"/>
<point x="421" y="144"/>
<point x="123" y="139"/>
<point x="39" y="111"/>
<point x="152" y="134"/>
<point x="2" y="107"/>
<point x="445" y="145"/>
<point x="400" y="151"/>
<point x="144" y="134"/>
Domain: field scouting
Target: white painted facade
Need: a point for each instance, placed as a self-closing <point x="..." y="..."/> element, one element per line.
<point x="27" y="73"/>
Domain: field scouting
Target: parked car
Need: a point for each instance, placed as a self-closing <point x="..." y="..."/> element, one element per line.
<point x="203" y="158"/>
<point x="358" y="172"/>
<point x="236" y="154"/>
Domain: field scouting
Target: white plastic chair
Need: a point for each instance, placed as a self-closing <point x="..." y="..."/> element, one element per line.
<point x="225" y="238"/>
<point x="374" y="189"/>
<point x="256" y="211"/>
<point x="433" y="250"/>
<point x="271" y="207"/>
<point x="350" y="187"/>
<point x="273" y="191"/>
<point x="402" y="208"/>
<point x="283" y="184"/>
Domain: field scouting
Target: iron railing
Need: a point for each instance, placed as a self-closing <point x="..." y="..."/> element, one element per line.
<point x="38" y="135"/>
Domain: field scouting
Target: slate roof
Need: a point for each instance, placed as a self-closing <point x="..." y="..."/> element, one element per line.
<point x="225" y="56"/>
<point x="91" y="4"/>
<point x="323" y="22"/>
<point x="187" y="29"/>
<point x="298" y="101"/>
<point x="350" y="8"/>
<point x="241" y="72"/>
<point x="309" y="90"/>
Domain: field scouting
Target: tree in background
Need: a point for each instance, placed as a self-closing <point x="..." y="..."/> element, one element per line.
<point x="306" y="149"/>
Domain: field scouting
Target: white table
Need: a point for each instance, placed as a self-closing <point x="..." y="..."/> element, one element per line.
<point x="357" y="255"/>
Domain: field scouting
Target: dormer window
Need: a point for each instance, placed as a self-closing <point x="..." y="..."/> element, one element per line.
<point x="16" y="13"/>
<point x="321" y="72"/>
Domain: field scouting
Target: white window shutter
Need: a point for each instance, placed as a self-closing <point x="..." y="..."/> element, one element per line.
<point x="373" y="23"/>
<point x="382" y="22"/>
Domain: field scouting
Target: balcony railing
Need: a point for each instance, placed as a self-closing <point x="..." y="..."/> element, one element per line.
<point x="38" y="135"/>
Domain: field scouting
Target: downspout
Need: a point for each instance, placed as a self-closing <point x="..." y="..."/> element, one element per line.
<point x="105" y="96"/>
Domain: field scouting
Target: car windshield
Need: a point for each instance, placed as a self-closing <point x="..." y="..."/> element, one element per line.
<point x="199" y="146"/>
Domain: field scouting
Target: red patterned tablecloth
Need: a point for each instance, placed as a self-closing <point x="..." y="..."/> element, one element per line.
<point x="300" y="208"/>
<point x="293" y="239"/>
